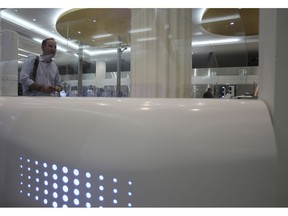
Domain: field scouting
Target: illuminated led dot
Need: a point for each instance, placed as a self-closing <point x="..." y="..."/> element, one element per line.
<point x="46" y="182"/>
<point x="36" y="162"/>
<point x="21" y="183"/>
<point x="55" y="204"/>
<point x="65" y="188"/>
<point x="36" y="198"/>
<point x="65" y="170"/>
<point x="28" y="160"/>
<point x="65" y="179"/>
<point x="76" y="201"/>
<point x="129" y="204"/>
<point x="37" y="171"/>
<point x="21" y="166"/>
<point x="21" y="158"/>
<point x="101" y="188"/>
<point x="76" y="182"/>
<point x="29" y="177"/>
<point x="88" y="185"/>
<point x="55" y="195"/>
<point x="29" y="185"/>
<point x="129" y="194"/>
<point x="88" y="175"/>
<point x="46" y="191"/>
<point x="37" y="179"/>
<point x="21" y="191"/>
<point x="55" y="177"/>
<point x="64" y="206"/>
<point x="54" y="167"/>
<point x="55" y="186"/>
<point x="115" y="201"/>
<point x="37" y="188"/>
<point x="21" y="174"/>
<point x="115" y="190"/>
<point x="101" y="177"/>
<point x="88" y="205"/>
<point x="28" y="168"/>
<point x="76" y="172"/>
<point x="45" y="201"/>
<point x="101" y="198"/>
<point x="45" y="174"/>
<point x="115" y="180"/>
<point x="88" y="195"/>
<point x="45" y="165"/>
<point x="65" y="198"/>
<point x="129" y="183"/>
<point x="76" y="192"/>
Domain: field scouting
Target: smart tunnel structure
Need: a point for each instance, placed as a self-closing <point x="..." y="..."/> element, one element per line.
<point x="136" y="152"/>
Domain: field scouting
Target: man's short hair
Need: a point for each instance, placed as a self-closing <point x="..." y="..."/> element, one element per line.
<point x="44" y="42"/>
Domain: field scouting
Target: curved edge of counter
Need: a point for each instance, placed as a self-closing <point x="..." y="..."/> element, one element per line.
<point x="136" y="152"/>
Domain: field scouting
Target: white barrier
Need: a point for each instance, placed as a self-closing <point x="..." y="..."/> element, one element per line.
<point x="9" y="43"/>
<point x="136" y="152"/>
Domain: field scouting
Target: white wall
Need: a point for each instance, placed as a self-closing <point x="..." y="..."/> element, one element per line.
<point x="273" y="77"/>
<point x="9" y="42"/>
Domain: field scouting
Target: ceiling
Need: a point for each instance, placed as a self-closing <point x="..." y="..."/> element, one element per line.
<point x="95" y="26"/>
<point x="35" y="24"/>
<point x="241" y="21"/>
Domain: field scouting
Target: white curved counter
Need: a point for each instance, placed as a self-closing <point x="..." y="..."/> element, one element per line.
<point x="136" y="152"/>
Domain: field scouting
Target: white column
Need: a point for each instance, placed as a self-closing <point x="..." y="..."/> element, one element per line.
<point x="9" y="43"/>
<point x="273" y="78"/>
<point x="100" y="74"/>
<point x="161" y="56"/>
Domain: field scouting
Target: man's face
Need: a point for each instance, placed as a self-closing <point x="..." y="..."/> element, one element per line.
<point x="50" y="48"/>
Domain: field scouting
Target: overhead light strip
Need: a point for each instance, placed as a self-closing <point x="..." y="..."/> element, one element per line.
<point x="35" y="28"/>
<point x="26" y="51"/>
<point x="101" y="52"/>
<point x="146" y="39"/>
<point x="101" y="36"/>
<point x="214" y="42"/>
<point x="219" y="19"/>
<point x="140" y="30"/>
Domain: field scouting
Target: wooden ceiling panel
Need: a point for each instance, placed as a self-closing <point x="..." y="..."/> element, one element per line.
<point x="232" y="22"/>
<point x="84" y="24"/>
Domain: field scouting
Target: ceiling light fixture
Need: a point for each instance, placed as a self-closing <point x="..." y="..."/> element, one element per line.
<point x="113" y="43"/>
<point x="223" y="18"/>
<point x="22" y="55"/>
<point x="215" y="42"/>
<point x="101" y="36"/>
<point x="140" y="30"/>
<point x="146" y="39"/>
<point x="106" y="51"/>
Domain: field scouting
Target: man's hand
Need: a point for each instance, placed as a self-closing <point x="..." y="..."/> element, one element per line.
<point x="58" y="88"/>
<point x="45" y="89"/>
<point x="48" y="89"/>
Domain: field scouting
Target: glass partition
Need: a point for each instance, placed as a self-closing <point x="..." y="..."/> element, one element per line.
<point x="100" y="51"/>
<point x="228" y="63"/>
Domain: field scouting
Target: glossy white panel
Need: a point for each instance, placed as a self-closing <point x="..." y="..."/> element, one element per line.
<point x="176" y="152"/>
<point x="9" y="43"/>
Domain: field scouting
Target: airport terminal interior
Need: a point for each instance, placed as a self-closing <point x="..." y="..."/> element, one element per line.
<point x="95" y="45"/>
